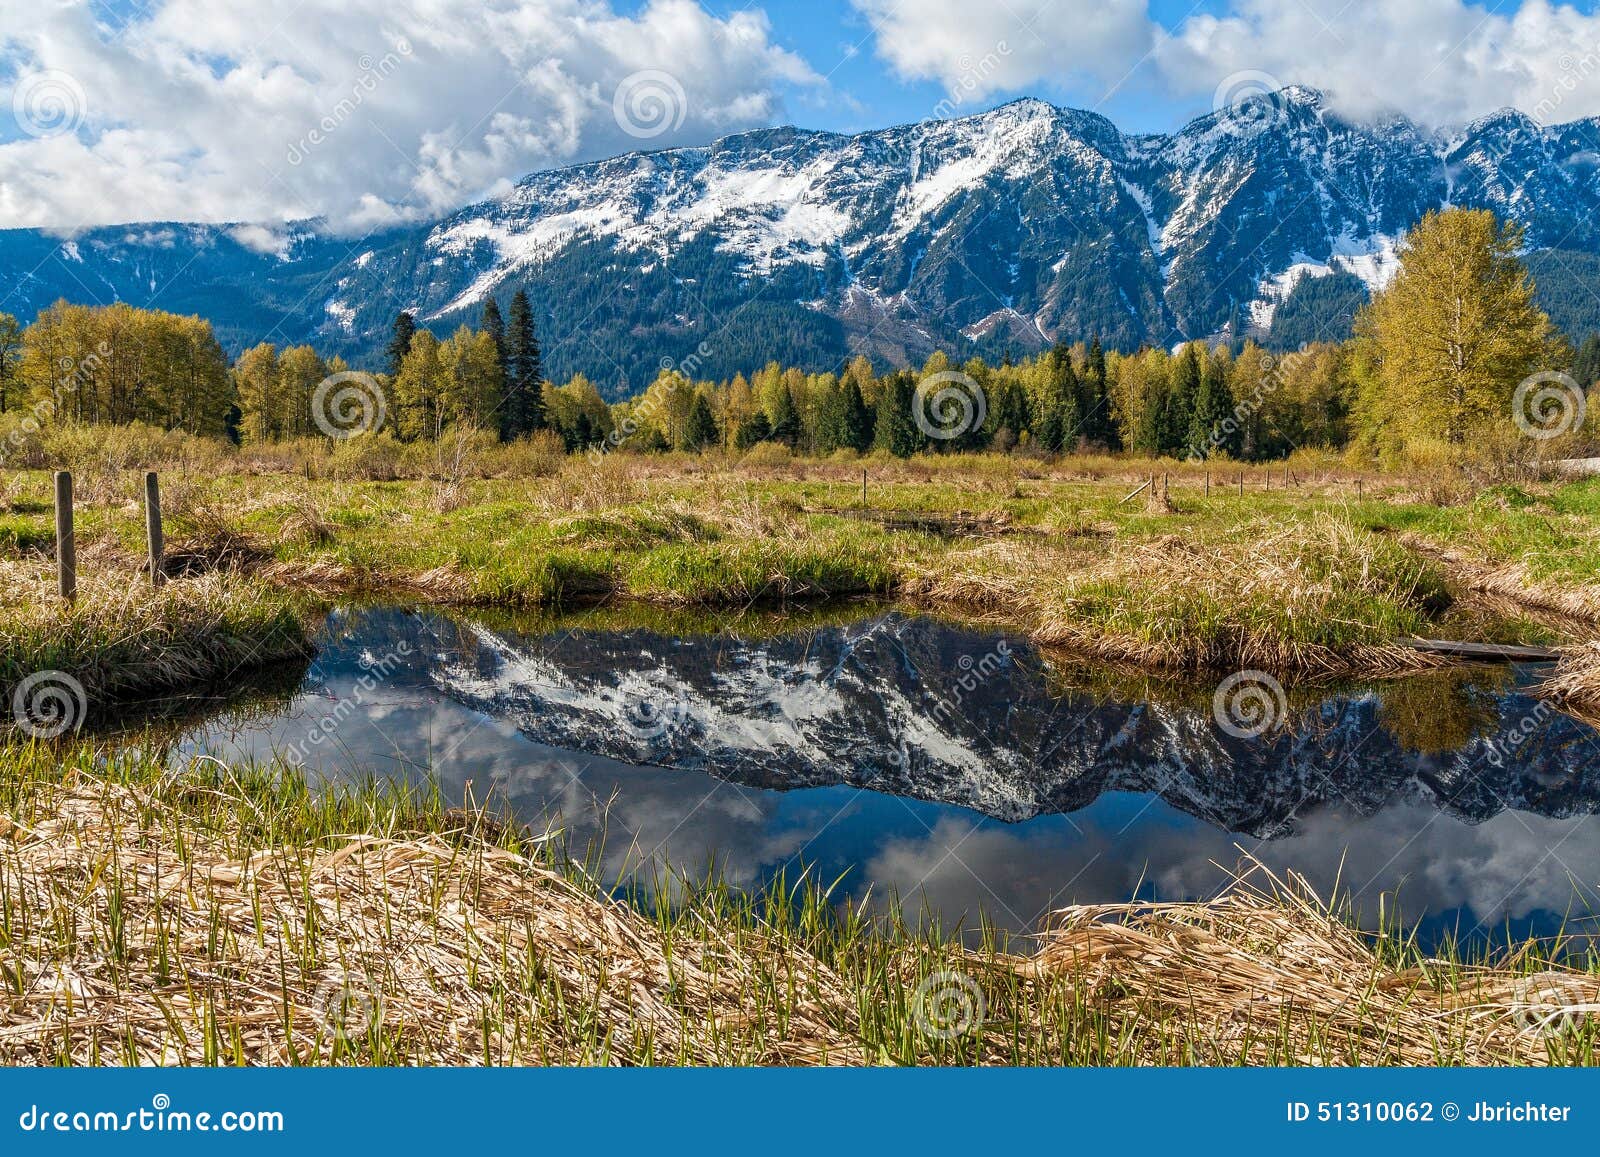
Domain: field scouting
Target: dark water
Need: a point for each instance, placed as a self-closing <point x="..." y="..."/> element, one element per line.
<point x="956" y="769"/>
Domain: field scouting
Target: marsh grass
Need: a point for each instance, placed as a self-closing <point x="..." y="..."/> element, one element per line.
<point x="1312" y="598"/>
<point x="208" y="914"/>
<point x="1320" y="575"/>
<point x="122" y="638"/>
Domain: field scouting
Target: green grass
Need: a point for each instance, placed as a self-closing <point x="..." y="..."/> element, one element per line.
<point x="121" y="638"/>
<point x="1071" y="559"/>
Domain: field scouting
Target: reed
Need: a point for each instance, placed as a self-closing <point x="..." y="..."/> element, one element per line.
<point x="204" y="914"/>
<point x="120" y="637"/>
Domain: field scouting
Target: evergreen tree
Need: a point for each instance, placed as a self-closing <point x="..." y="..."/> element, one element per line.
<point x="827" y="427"/>
<point x="785" y="418"/>
<point x="1209" y="432"/>
<point x="1008" y="414"/>
<point x="522" y="410"/>
<point x="1150" y="433"/>
<point x="494" y="325"/>
<point x="1099" y="424"/>
<point x="1056" y="422"/>
<point x="405" y="328"/>
<point x="855" y="420"/>
<point x="754" y="429"/>
<point x="701" y="429"/>
<point x="896" y="430"/>
<point x="1177" y="416"/>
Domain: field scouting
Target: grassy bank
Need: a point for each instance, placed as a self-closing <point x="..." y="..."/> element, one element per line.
<point x="211" y="915"/>
<point x="122" y="639"/>
<point x="1305" y="570"/>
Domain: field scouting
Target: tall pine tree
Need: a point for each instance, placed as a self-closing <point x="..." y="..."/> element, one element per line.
<point x="896" y="429"/>
<point x="701" y="428"/>
<point x="855" y="420"/>
<point x="1094" y="393"/>
<point x="405" y="328"/>
<point x="1177" y="415"/>
<point x="1210" y="432"/>
<point x="1057" y="421"/>
<point x="522" y="411"/>
<point x="785" y="418"/>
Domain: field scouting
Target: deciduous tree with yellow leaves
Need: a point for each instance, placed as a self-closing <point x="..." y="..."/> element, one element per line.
<point x="1450" y="339"/>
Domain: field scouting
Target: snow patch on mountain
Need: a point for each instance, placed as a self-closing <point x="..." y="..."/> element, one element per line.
<point x="1275" y="290"/>
<point x="1375" y="260"/>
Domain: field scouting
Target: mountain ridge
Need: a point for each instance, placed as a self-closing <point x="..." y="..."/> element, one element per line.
<point x="1004" y="230"/>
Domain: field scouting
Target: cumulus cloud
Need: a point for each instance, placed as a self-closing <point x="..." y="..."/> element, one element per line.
<point x="976" y="50"/>
<point x="365" y="112"/>
<point x="1439" y="61"/>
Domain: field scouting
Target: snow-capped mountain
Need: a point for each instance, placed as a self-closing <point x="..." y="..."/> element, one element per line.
<point x="1008" y="229"/>
<point x="916" y="708"/>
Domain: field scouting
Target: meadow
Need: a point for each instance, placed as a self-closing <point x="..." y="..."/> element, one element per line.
<point x="201" y="913"/>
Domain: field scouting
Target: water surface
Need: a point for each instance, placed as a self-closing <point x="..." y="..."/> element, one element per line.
<point x="954" y="768"/>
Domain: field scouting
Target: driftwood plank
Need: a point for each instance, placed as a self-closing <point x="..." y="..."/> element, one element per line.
<point x="1508" y="652"/>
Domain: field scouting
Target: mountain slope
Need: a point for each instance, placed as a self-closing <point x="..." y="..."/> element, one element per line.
<point x="1005" y="230"/>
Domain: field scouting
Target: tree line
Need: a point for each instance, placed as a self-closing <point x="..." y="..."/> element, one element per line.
<point x="1433" y="367"/>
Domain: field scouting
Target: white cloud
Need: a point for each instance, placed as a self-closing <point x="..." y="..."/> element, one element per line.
<point x="1439" y="61"/>
<point x="363" y="111"/>
<point x="976" y="50"/>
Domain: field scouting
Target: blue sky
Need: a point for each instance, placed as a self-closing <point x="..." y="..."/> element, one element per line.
<point x="371" y="112"/>
<point x="836" y="39"/>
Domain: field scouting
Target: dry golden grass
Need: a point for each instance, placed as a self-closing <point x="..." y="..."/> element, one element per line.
<point x="1515" y="583"/>
<point x="1269" y="975"/>
<point x="122" y="637"/>
<point x="1312" y="599"/>
<point x="133" y="935"/>
<point x="1575" y="683"/>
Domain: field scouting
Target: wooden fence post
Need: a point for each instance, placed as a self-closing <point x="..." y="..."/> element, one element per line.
<point x="1241" y="484"/>
<point x="863" y="489"/>
<point x="152" y="525"/>
<point x="1208" y="484"/>
<point x="66" y="543"/>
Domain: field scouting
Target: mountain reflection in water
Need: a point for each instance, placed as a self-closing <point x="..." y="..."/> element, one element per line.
<point x="952" y="767"/>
